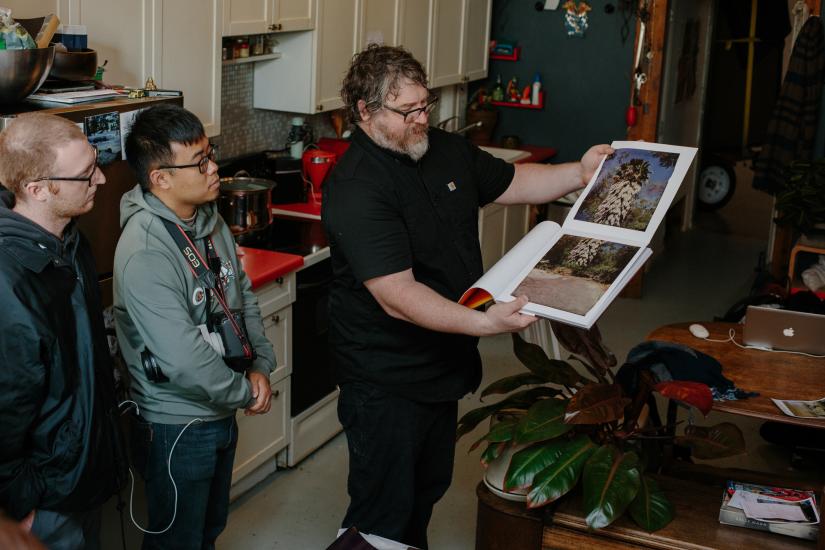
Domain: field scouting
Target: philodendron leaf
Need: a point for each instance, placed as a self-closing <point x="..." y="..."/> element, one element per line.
<point x="510" y="383"/>
<point x="692" y="393"/>
<point x="561" y="475"/>
<point x="651" y="509"/>
<point x="596" y="404"/>
<point x="499" y="432"/>
<point x="611" y="481"/>
<point x="586" y="343"/>
<point x="720" y="441"/>
<point x="492" y="452"/>
<point x="544" y="420"/>
<point x="521" y="400"/>
<point x="551" y="370"/>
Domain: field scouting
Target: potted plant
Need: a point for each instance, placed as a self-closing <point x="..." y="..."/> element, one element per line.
<point x="565" y="429"/>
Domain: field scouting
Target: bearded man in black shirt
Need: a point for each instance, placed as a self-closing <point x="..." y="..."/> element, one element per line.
<point x="401" y="213"/>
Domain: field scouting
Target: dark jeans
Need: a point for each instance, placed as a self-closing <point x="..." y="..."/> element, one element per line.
<point x="400" y="461"/>
<point x="60" y="531"/>
<point x="202" y="469"/>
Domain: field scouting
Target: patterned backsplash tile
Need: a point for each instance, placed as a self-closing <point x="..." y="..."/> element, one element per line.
<point x="245" y="129"/>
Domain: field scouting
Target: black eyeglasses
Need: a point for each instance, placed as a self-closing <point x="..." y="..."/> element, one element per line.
<point x="428" y="108"/>
<point x="87" y="179"/>
<point x="202" y="164"/>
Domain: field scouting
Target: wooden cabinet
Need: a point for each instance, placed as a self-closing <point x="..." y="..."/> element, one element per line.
<point x="379" y="22"/>
<point x="185" y="54"/>
<point x="415" y="28"/>
<point x="499" y="229"/>
<point x="261" y="438"/>
<point x="307" y="78"/>
<point x="460" y="37"/>
<point x="264" y="16"/>
<point x="29" y="9"/>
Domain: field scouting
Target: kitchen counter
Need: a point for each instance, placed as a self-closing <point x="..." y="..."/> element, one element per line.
<point x="537" y="153"/>
<point x="263" y="266"/>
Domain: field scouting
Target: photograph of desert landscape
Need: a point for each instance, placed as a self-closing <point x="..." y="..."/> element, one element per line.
<point x="575" y="273"/>
<point x="628" y="189"/>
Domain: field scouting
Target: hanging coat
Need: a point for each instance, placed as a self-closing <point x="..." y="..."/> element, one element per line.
<point x="793" y="123"/>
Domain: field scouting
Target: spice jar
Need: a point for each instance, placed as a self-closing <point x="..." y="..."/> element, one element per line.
<point x="258" y="45"/>
<point x="244" y="48"/>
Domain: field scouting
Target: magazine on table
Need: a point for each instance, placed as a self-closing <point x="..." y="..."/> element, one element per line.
<point x="572" y="272"/>
<point x="802" y="409"/>
<point x="789" y="512"/>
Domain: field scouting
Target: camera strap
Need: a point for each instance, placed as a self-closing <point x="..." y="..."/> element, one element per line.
<point x="208" y="272"/>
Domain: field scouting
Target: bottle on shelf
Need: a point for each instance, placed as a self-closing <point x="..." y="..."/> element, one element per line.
<point x="535" y="97"/>
<point x="498" y="91"/>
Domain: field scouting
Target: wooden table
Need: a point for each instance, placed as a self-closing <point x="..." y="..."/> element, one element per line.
<point x="694" y="490"/>
<point x="773" y="375"/>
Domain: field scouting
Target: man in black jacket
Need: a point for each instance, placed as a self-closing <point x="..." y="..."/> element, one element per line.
<point x="59" y="459"/>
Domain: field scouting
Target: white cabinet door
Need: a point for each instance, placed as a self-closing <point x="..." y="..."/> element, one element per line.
<point x="122" y="47"/>
<point x="29" y="9"/>
<point x="260" y="437"/>
<point x="447" y="43"/>
<point x="491" y="223"/>
<point x="415" y="28"/>
<point x="379" y="22"/>
<point x="338" y="24"/>
<point x="185" y="46"/>
<point x="294" y="15"/>
<point x="278" y="330"/>
<point x="476" y="39"/>
<point x="247" y="17"/>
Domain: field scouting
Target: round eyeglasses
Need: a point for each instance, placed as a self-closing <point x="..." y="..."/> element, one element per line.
<point x="87" y="179"/>
<point x="202" y="164"/>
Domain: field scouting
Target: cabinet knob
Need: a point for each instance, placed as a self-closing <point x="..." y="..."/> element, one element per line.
<point x="272" y="27"/>
<point x="275" y="394"/>
<point x="319" y="107"/>
<point x="279" y="26"/>
<point x="279" y="280"/>
<point x="276" y="318"/>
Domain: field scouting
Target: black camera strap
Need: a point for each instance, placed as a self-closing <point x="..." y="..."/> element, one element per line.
<point x="208" y="272"/>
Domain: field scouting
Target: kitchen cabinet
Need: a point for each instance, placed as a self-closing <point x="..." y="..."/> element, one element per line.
<point x="307" y="78"/>
<point x="379" y="22"/>
<point x="261" y="438"/>
<point x="29" y="9"/>
<point x="460" y="41"/>
<point x="176" y="42"/>
<point x="264" y="16"/>
<point x="499" y="229"/>
<point x="415" y="28"/>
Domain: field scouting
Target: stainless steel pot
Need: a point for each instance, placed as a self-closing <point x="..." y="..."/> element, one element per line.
<point x="244" y="204"/>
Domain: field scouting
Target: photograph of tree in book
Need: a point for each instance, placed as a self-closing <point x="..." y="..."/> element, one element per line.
<point x="575" y="273"/>
<point x="628" y="188"/>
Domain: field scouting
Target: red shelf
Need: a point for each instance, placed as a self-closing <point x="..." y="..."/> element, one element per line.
<point x="521" y="105"/>
<point x="511" y="57"/>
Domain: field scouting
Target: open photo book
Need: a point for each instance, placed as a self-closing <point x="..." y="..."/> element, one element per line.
<point x="572" y="272"/>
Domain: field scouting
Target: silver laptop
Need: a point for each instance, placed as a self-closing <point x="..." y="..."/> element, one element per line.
<point x="782" y="329"/>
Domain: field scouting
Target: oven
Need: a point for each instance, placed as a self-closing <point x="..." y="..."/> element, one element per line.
<point x="313" y="393"/>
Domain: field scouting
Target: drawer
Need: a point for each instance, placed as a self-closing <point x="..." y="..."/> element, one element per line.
<point x="276" y="294"/>
<point x="278" y="330"/>
<point x="261" y="437"/>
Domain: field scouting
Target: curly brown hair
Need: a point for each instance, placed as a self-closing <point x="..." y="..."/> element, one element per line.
<point x="374" y="74"/>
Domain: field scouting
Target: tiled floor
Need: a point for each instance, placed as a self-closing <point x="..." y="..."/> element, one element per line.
<point x="699" y="275"/>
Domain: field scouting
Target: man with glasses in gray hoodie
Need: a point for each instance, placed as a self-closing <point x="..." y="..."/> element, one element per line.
<point x="189" y="327"/>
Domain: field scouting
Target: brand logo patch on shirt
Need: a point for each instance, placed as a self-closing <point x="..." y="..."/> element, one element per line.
<point x="227" y="273"/>
<point x="451" y="186"/>
<point x="198" y="296"/>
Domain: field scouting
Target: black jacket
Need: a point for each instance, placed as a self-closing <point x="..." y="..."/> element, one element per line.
<point x="58" y="413"/>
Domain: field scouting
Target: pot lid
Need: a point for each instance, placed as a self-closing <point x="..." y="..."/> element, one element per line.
<point x="246" y="184"/>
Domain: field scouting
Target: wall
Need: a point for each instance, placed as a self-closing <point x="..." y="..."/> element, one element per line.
<point x="586" y="80"/>
<point x="246" y="130"/>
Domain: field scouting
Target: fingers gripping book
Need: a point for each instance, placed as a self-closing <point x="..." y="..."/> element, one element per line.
<point x="572" y="272"/>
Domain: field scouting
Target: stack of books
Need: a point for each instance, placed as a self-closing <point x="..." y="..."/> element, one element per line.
<point x="784" y="511"/>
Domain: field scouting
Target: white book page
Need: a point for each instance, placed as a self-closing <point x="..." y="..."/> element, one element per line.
<point x="630" y="193"/>
<point x="526" y="252"/>
<point x="561" y="288"/>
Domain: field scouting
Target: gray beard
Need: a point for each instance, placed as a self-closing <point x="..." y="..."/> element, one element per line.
<point x="415" y="150"/>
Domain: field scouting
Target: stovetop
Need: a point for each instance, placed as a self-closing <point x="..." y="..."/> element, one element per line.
<point x="291" y="236"/>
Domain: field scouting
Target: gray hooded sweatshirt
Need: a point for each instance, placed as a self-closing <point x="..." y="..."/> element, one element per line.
<point x="159" y="304"/>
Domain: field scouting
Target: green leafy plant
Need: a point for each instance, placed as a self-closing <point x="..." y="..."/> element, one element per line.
<point x="573" y="429"/>
<point x="800" y="203"/>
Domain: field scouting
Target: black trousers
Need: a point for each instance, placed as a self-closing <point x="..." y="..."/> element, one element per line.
<point x="401" y="456"/>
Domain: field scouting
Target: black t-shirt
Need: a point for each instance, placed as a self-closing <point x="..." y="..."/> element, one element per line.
<point x="383" y="214"/>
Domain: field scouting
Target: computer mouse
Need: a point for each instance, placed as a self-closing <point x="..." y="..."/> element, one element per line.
<point x="698" y="331"/>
